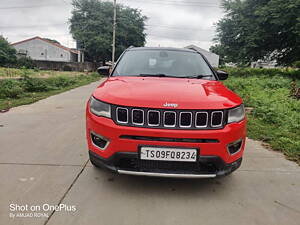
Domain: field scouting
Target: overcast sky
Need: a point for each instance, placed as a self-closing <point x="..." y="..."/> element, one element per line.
<point x="171" y="23"/>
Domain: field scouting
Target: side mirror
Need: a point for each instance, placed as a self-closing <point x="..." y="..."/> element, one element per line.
<point x="222" y="75"/>
<point x="104" y="70"/>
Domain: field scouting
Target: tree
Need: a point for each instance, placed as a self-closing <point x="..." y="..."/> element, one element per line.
<point x="7" y="52"/>
<point x="91" y="25"/>
<point x="259" y="29"/>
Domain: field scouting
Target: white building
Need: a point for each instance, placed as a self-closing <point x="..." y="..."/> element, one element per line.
<point x="44" y="50"/>
<point x="268" y="64"/>
<point x="212" y="58"/>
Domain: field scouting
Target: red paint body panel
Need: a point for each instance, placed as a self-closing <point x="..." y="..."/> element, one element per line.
<point x="107" y="128"/>
<point x="152" y="92"/>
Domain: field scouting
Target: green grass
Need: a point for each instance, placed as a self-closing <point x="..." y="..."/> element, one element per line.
<point x="17" y="73"/>
<point x="275" y="118"/>
<point x="29" y="89"/>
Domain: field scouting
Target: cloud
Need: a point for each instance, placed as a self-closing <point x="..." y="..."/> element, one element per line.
<point x="174" y="23"/>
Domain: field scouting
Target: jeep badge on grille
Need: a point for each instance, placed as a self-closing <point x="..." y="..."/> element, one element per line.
<point x="173" y="105"/>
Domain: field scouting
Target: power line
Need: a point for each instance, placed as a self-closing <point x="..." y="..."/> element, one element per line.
<point x="172" y="38"/>
<point x="63" y="24"/>
<point x="33" y="35"/>
<point x="67" y="3"/>
<point x="32" y="26"/>
<point x="180" y="28"/>
<point x="28" y="6"/>
<point x="156" y="2"/>
<point x="177" y="3"/>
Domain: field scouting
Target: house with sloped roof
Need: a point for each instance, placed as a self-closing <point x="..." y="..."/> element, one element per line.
<point x="212" y="58"/>
<point x="41" y="49"/>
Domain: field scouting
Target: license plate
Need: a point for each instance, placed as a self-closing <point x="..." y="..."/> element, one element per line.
<point x="169" y="154"/>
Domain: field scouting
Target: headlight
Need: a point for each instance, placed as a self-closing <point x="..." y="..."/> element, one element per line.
<point x="236" y="115"/>
<point x="100" y="108"/>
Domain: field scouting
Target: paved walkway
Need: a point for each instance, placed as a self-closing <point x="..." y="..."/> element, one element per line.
<point x="43" y="160"/>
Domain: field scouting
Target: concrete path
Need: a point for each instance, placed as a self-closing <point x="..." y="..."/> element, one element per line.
<point x="43" y="162"/>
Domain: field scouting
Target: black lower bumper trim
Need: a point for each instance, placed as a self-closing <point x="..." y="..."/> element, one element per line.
<point x="129" y="161"/>
<point x="167" y="139"/>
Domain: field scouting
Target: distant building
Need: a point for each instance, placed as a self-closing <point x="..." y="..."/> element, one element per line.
<point x="40" y="49"/>
<point x="211" y="57"/>
<point x="231" y="64"/>
<point x="268" y="64"/>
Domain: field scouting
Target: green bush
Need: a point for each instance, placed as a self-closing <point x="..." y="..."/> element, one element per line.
<point x="61" y="82"/>
<point x="250" y="72"/>
<point x="23" y="62"/>
<point x="275" y="117"/>
<point x="35" y="84"/>
<point x="7" y="52"/>
<point x="67" y="68"/>
<point x="10" y="89"/>
<point x="296" y="64"/>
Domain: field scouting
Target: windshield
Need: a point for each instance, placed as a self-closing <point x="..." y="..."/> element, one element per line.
<point x="163" y="63"/>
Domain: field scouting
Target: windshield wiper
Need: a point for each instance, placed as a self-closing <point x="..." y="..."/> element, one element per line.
<point x="198" y="76"/>
<point x="154" y="75"/>
<point x="164" y="75"/>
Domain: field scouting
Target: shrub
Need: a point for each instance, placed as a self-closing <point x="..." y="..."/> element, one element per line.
<point x="61" y="82"/>
<point x="23" y="62"/>
<point x="296" y="64"/>
<point x="10" y="88"/>
<point x="7" y="52"/>
<point x="275" y="116"/>
<point x="250" y="72"/>
<point x="67" y="68"/>
<point x="35" y="84"/>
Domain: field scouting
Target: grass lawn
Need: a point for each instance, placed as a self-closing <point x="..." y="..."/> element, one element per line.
<point x="275" y="118"/>
<point x="33" y="86"/>
<point x="17" y="73"/>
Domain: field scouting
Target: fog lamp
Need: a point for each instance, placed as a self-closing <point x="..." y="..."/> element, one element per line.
<point x="99" y="141"/>
<point x="235" y="147"/>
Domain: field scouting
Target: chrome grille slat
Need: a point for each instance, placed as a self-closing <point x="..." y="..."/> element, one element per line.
<point x="176" y="118"/>
<point x="206" y="119"/>
<point x="215" y="114"/>
<point x="158" y="118"/>
<point x="181" y="118"/>
<point x="134" y="117"/>
<point x="118" y="115"/>
<point x="164" y="121"/>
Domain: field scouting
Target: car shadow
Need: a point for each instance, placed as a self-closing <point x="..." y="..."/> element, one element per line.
<point x="139" y="185"/>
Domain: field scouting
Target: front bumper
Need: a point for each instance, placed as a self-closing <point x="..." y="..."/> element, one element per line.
<point x="121" y="153"/>
<point x="129" y="163"/>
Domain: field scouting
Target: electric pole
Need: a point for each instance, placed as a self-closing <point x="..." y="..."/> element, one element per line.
<point x="114" y="33"/>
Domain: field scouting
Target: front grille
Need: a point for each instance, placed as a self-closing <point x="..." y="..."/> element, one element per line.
<point x="169" y="119"/>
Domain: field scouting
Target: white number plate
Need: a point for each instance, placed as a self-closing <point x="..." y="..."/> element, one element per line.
<point x="169" y="154"/>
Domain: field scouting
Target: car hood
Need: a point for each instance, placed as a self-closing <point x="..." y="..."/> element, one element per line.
<point x="163" y="92"/>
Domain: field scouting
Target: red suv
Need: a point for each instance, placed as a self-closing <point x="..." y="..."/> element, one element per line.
<point x="164" y="112"/>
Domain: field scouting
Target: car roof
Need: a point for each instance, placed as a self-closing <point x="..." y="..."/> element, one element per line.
<point x="161" y="48"/>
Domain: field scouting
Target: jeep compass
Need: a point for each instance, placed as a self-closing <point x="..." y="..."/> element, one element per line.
<point x="164" y="112"/>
